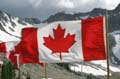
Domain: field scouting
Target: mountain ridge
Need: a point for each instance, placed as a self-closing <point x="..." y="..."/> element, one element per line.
<point x="114" y="17"/>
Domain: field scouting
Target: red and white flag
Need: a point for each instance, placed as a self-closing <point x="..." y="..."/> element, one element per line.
<point x="9" y="50"/>
<point x="66" y="41"/>
<point x="25" y="56"/>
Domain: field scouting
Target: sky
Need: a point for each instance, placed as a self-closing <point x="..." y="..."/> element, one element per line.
<point x="44" y="8"/>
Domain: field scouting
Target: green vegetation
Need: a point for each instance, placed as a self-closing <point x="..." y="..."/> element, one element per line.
<point x="64" y="65"/>
<point x="8" y="70"/>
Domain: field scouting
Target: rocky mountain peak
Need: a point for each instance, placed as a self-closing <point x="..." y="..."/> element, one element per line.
<point x="117" y="8"/>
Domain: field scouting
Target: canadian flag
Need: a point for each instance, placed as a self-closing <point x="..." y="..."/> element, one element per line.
<point x="66" y="41"/>
<point x="24" y="49"/>
<point x="9" y="50"/>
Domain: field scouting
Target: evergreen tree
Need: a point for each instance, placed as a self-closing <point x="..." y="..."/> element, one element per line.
<point x="8" y="70"/>
<point x="28" y="76"/>
<point x="64" y="65"/>
<point x="90" y="76"/>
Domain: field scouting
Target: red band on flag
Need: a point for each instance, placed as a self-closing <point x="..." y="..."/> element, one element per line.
<point x="28" y="47"/>
<point x="2" y="47"/>
<point x="93" y="39"/>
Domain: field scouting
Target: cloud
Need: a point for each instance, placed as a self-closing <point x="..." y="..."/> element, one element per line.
<point x="44" y="8"/>
<point x="65" y="4"/>
<point x="111" y="4"/>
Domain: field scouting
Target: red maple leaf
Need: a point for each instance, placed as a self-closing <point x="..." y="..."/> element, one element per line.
<point x="59" y="44"/>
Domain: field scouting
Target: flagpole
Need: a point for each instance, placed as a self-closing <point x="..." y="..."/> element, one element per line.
<point x="72" y="74"/>
<point x="18" y="64"/>
<point x="46" y="76"/>
<point x="82" y="70"/>
<point x="107" y="44"/>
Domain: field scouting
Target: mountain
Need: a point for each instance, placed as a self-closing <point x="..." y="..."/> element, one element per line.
<point x="10" y="27"/>
<point x="32" y="20"/>
<point x="63" y="16"/>
<point x="114" y="17"/>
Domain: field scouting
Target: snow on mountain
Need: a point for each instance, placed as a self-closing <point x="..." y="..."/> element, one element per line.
<point x="89" y="69"/>
<point x="4" y="37"/>
<point x="10" y="27"/>
<point x="84" y="17"/>
<point x="41" y="25"/>
<point x="98" y="68"/>
<point x="116" y="49"/>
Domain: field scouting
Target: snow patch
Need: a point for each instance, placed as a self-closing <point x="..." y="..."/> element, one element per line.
<point x="97" y="68"/>
<point x="84" y="17"/>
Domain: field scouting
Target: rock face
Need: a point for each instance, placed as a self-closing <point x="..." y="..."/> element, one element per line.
<point x="32" y="20"/>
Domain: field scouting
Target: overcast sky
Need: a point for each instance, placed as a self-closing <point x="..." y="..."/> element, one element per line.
<point x="44" y="8"/>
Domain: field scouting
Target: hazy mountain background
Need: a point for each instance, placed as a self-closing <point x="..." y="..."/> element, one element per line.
<point x="10" y="28"/>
